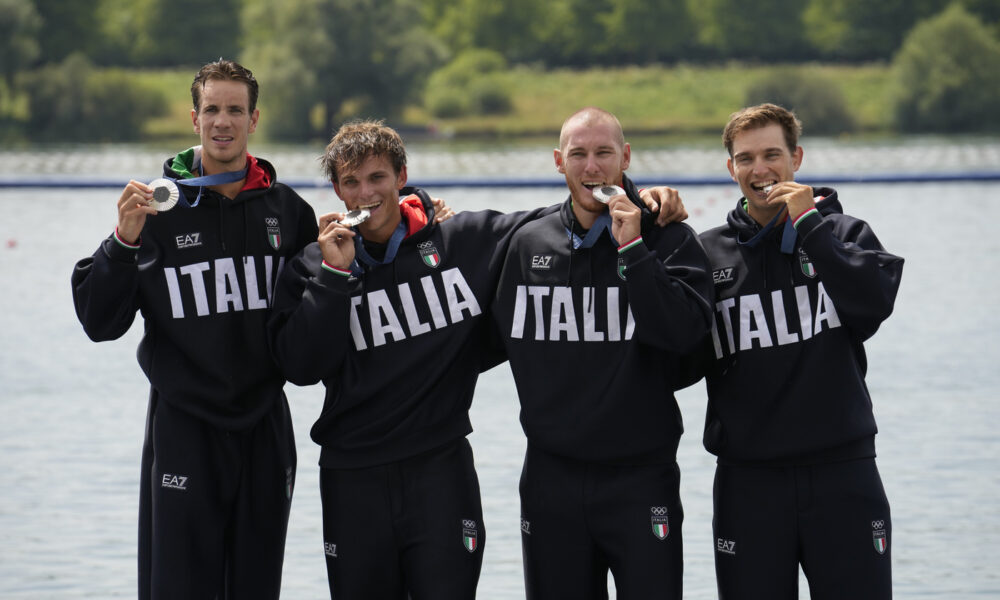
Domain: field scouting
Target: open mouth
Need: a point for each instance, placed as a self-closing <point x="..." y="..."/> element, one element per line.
<point x="764" y="187"/>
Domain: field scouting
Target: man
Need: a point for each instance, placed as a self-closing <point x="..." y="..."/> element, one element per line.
<point x="389" y="315"/>
<point x="593" y="307"/>
<point x="799" y="287"/>
<point x="218" y="463"/>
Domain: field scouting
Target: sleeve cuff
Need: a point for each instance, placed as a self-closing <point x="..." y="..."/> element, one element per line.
<point x="807" y="221"/>
<point x="124" y="244"/>
<point x="629" y="245"/>
<point x="332" y="269"/>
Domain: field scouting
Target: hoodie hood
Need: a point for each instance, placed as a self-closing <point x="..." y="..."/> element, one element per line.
<point x="187" y="165"/>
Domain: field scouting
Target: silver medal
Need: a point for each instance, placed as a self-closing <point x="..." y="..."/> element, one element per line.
<point x="355" y="217"/>
<point x="605" y="193"/>
<point x="165" y="194"/>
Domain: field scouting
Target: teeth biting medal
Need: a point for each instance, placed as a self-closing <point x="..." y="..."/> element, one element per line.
<point x="355" y="217"/>
<point x="165" y="194"/>
<point x="605" y="193"/>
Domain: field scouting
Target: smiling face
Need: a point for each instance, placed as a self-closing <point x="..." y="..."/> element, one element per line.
<point x="761" y="158"/>
<point x="224" y="122"/>
<point x="374" y="185"/>
<point x="591" y="153"/>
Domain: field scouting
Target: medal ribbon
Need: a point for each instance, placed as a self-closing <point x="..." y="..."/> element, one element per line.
<point x="390" y="251"/>
<point x="600" y="224"/>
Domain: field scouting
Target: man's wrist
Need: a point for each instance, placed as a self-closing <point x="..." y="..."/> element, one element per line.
<point x="333" y="269"/>
<point x="630" y="244"/>
<point x="125" y="243"/>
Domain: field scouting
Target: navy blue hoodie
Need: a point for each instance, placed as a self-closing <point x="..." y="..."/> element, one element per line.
<point x="202" y="278"/>
<point x="786" y="368"/>
<point x="399" y="346"/>
<point x="594" y="336"/>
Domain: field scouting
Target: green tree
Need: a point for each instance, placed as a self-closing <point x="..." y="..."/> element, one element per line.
<point x="646" y="31"/>
<point x="74" y="101"/>
<point x="987" y="10"/>
<point x="325" y="60"/>
<point x="862" y="29"/>
<point x="69" y="26"/>
<point x="947" y="76"/>
<point x="814" y="98"/>
<point x="19" y="26"/>
<point x="510" y="27"/>
<point x="471" y="83"/>
<point x="189" y="32"/>
<point x="765" y="30"/>
<point x="575" y="32"/>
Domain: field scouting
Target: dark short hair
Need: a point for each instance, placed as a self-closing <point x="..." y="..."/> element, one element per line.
<point x="761" y="115"/>
<point x="355" y="141"/>
<point x="224" y="70"/>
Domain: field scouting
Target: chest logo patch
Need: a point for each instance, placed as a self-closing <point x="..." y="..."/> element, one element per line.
<point x="806" y="263"/>
<point x="541" y="262"/>
<point x="273" y="232"/>
<point x="430" y="254"/>
<point x="724" y="275"/>
<point x="188" y="240"/>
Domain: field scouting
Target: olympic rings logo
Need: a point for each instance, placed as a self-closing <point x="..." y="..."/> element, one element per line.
<point x="878" y="524"/>
<point x="271" y="222"/>
<point x="468" y="524"/>
<point x="659" y="511"/>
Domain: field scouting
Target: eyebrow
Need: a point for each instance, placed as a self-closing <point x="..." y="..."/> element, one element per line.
<point x="764" y="151"/>
<point x="601" y="147"/>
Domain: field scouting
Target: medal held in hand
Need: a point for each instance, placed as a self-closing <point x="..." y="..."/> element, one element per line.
<point x="165" y="194"/>
<point x="605" y="193"/>
<point x="355" y="217"/>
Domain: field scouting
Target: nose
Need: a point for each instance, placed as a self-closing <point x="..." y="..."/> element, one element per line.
<point x="592" y="164"/>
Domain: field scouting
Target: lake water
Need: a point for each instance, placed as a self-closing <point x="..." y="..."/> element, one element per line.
<point x="72" y="412"/>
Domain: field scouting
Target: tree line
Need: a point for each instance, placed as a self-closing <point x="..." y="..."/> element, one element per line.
<point x="375" y="56"/>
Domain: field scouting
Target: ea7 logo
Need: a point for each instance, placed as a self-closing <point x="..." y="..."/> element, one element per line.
<point x="188" y="240"/>
<point x="541" y="262"/>
<point x="725" y="546"/>
<point x="330" y="549"/>
<point x="724" y="275"/>
<point x="177" y="482"/>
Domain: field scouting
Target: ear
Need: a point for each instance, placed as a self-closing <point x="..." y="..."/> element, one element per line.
<point x="732" y="173"/>
<point x="194" y="120"/>
<point x="797" y="158"/>
<point x="253" y="119"/>
<point x="560" y="166"/>
<point x="401" y="178"/>
<point x="626" y="156"/>
<point x="336" y="188"/>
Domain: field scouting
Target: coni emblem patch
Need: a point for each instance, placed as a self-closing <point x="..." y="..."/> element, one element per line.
<point x="429" y="254"/>
<point x="659" y="521"/>
<point x="273" y="232"/>
<point x="470" y="535"/>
